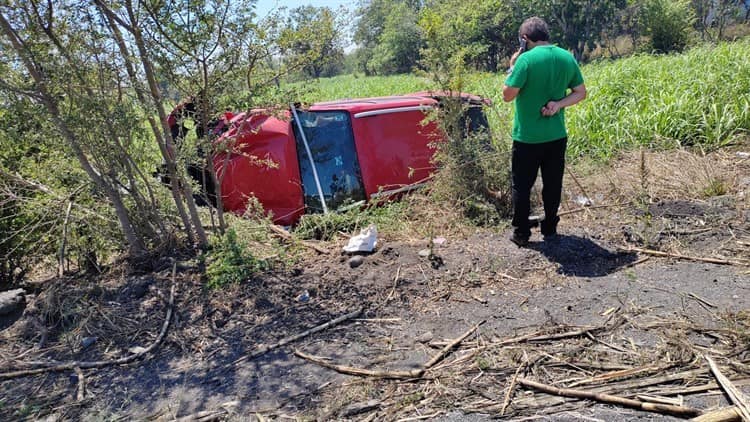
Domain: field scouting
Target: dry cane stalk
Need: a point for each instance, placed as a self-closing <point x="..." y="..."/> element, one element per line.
<point x="607" y="398"/>
<point x="738" y="399"/>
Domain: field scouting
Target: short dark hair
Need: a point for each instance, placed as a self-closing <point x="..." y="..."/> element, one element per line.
<point x="535" y="29"/>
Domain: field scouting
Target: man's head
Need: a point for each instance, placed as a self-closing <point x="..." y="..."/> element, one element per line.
<point x="534" y="29"/>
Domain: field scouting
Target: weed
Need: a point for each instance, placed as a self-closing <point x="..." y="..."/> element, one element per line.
<point x="388" y="217"/>
<point x="630" y="274"/>
<point x="483" y="363"/>
<point x="411" y="399"/>
<point x="715" y="187"/>
<point x="230" y="262"/>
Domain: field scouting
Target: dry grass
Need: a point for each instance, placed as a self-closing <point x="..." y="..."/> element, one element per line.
<point x="479" y="376"/>
<point x="671" y="175"/>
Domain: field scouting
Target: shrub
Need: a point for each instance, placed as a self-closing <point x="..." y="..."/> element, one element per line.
<point x="229" y="262"/>
<point x="669" y="24"/>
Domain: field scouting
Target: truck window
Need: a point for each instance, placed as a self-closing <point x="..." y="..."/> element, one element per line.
<point x="330" y="137"/>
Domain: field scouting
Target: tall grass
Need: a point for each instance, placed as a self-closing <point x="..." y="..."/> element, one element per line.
<point x="357" y="86"/>
<point x="701" y="97"/>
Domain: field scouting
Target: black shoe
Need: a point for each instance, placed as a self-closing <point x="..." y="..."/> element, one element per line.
<point x="551" y="237"/>
<point x="534" y="221"/>
<point x="521" y="241"/>
<point x="549" y="227"/>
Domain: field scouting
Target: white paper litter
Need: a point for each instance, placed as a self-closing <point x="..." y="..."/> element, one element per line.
<point x="584" y="201"/>
<point x="365" y="241"/>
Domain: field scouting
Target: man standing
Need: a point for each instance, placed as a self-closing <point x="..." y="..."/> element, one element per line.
<point x="540" y="77"/>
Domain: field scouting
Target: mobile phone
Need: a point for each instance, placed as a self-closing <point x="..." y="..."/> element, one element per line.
<point x="522" y="41"/>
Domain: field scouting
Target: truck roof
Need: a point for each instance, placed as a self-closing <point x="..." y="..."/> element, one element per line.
<point x="358" y="105"/>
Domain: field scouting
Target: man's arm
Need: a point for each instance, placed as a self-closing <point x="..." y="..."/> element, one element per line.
<point x="577" y="95"/>
<point x="510" y="93"/>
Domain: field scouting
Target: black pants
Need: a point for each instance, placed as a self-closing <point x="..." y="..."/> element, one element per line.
<point x="526" y="161"/>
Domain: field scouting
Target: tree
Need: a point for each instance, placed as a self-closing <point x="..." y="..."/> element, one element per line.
<point x="312" y="37"/>
<point x="197" y="48"/>
<point x="486" y="30"/>
<point x="397" y="44"/>
<point x="388" y="36"/>
<point x="100" y="77"/>
<point x="668" y="23"/>
<point x="713" y="16"/>
<point x="578" y="24"/>
<point x="54" y="50"/>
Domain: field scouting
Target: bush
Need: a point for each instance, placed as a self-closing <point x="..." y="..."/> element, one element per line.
<point x="389" y="217"/>
<point x="669" y="23"/>
<point x="230" y="262"/>
<point x="474" y="174"/>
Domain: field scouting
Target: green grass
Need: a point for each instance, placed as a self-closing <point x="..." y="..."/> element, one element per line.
<point x="701" y="98"/>
<point x="357" y="86"/>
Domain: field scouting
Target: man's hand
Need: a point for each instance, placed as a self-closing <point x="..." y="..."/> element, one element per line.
<point x="577" y="94"/>
<point x="551" y="109"/>
<point x="514" y="57"/>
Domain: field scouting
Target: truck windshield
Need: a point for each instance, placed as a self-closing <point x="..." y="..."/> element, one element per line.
<point x="331" y="141"/>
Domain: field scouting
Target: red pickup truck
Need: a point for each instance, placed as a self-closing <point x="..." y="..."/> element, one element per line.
<point x="332" y="154"/>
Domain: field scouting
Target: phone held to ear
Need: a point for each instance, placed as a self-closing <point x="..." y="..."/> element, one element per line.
<point x="522" y="41"/>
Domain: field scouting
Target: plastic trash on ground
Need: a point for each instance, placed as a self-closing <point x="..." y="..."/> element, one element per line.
<point x="365" y="241"/>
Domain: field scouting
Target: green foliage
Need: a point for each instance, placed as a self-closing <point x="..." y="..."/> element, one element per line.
<point x="474" y="169"/>
<point x="399" y="43"/>
<point x="311" y="39"/>
<point x="578" y="24"/>
<point x="486" y="30"/>
<point x="37" y="182"/>
<point x="388" y="36"/>
<point x="668" y="23"/>
<point x="229" y="262"/>
<point x="715" y="186"/>
<point x="388" y="217"/>
<point x="701" y="97"/>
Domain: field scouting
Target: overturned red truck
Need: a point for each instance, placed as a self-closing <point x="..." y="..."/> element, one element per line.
<point x="332" y="154"/>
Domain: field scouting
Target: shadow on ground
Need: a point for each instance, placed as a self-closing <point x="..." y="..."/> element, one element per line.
<point x="582" y="257"/>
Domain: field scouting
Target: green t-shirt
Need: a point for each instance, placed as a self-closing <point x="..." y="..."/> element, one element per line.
<point x="543" y="74"/>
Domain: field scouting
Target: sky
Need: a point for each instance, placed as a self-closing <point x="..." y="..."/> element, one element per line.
<point x="265" y="6"/>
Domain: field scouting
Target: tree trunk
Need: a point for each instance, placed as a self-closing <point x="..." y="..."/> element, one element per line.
<point x="167" y="136"/>
<point x="135" y="244"/>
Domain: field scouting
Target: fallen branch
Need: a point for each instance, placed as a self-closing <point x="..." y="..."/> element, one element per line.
<point x="728" y="414"/>
<point x="444" y="352"/>
<point x="81" y="394"/>
<point x="420" y="418"/>
<point x="286" y="236"/>
<point x="350" y="370"/>
<point x="44" y="189"/>
<point x="395" y="284"/>
<point x="686" y="257"/>
<point x="103" y="363"/>
<point x="735" y="395"/>
<point x="511" y="387"/>
<point x="208" y="415"/>
<point x="265" y="349"/>
<point x="414" y="373"/>
<point x="616" y="374"/>
<point x="610" y="399"/>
